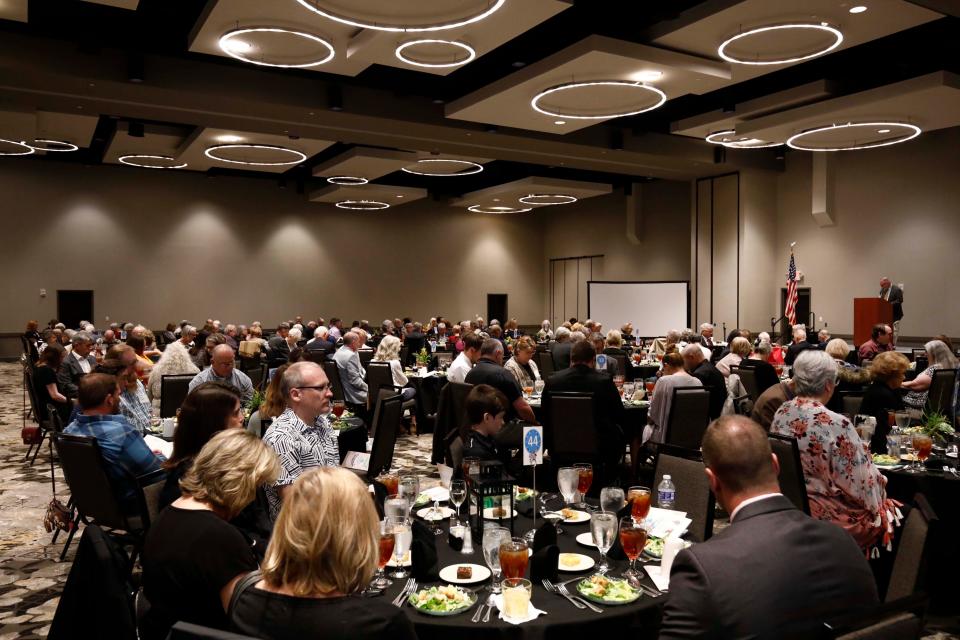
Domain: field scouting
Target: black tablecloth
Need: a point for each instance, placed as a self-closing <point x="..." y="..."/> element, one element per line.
<point x="428" y="398"/>
<point x="641" y="372"/>
<point x="943" y="552"/>
<point x="640" y="619"/>
<point x="353" y="437"/>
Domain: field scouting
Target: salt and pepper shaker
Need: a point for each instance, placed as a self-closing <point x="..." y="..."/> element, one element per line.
<point x="467" y="541"/>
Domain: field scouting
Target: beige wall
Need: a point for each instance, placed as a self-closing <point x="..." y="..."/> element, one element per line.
<point x="897" y="213"/>
<point x="159" y="246"/>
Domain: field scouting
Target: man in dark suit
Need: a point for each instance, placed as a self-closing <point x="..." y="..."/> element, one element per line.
<point x="774" y="572"/>
<point x="798" y="345"/>
<point x="706" y="335"/>
<point x="415" y="341"/>
<point x="76" y="364"/>
<point x="608" y="414"/>
<point x="699" y="367"/>
<point x="320" y="345"/>
<point x="894" y="295"/>
<point x="561" y="349"/>
<point x="278" y="351"/>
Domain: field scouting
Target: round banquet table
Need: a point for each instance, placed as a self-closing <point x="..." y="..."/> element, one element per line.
<point x="941" y="490"/>
<point x="640" y="619"/>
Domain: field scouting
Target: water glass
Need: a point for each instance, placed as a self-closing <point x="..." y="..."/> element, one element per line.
<point x="516" y="598"/>
<point x="538" y="385"/>
<point x="493" y="537"/>
<point x="396" y="508"/>
<point x="903" y="419"/>
<point x="603" y="527"/>
<point x="402" y="537"/>
<point x="458" y="493"/>
<point x="409" y="489"/>
<point x="611" y="499"/>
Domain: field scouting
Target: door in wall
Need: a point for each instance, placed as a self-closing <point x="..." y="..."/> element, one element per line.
<point x="497" y="307"/>
<point x="74" y="305"/>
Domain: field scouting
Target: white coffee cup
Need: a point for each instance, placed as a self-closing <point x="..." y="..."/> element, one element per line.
<point x="169" y="426"/>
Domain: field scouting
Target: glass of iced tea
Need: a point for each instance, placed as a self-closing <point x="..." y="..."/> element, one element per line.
<point x="585" y="479"/>
<point x="650" y="384"/>
<point x="387" y="541"/>
<point x="514" y="558"/>
<point x="528" y="388"/>
<point x="639" y="498"/>
<point x="338" y="408"/>
<point x="633" y="538"/>
<point x="391" y="481"/>
<point x="922" y="443"/>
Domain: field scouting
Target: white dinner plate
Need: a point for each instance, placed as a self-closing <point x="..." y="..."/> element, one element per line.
<point x="582" y="562"/>
<point x="449" y="573"/>
<point x="489" y="515"/>
<point x="586" y="539"/>
<point x="404" y="561"/>
<point x="578" y="517"/>
<point x="428" y="514"/>
<point x="951" y="454"/>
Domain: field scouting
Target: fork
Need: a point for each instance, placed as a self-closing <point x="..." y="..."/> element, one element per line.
<point x="407" y="588"/>
<point x="552" y="588"/>
<point x="563" y="589"/>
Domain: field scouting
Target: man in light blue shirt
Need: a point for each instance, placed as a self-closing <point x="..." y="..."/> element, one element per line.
<point x="351" y="371"/>
<point x="223" y="370"/>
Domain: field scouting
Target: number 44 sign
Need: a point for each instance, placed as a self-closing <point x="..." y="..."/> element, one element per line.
<point x="532" y="446"/>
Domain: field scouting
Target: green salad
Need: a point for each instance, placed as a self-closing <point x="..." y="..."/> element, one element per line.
<point x="607" y="590"/>
<point x="885" y="460"/>
<point x="654" y="547"/>
<point x="444" y="599"/>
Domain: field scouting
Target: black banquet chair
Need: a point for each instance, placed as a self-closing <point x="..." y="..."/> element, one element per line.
<point x="792" y="482"/>
<point x="173" y="391"/>
<point x="693" y="491"/>
<point x="689" y="417"/>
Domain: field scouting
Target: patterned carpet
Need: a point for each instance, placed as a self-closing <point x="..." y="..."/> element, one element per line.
<point x="31" y="576"/>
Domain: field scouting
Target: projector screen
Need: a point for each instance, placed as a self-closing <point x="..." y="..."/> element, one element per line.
<point x="652" y="307"/>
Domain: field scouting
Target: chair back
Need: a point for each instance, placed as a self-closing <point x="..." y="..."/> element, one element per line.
<point x="748" y="378"/>
<point x="693" y="492"/>
<point x="188" y="631"/>
<point x="404" y="355"/>
<point x="258" y="377"/>
<point x="56" y="422"/>
<point x="455" y="452"/>
<point x="544" y="360"/>
<point x="851" y="401"/>
<point x="792" y="482"/>
<point x="173" y="391"/>
<point x="366" y="355"/>
<point x="900" y="626"/>
<point x="151" y="496"/>
<point x="379" y="377"/>
<point x="386" y="423"/>
<point x="942" y="396"/>
<point x="622" y="365"/>
<point x="333" y="375"/>
<point x="91" y="491"/>
<point x="909" y="562"/>
<point x="451" y="416"/>
<point x="572" y="431"/>
<point x="689" y="417"/>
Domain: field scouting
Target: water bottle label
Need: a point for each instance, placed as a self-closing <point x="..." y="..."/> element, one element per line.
<point x="666" y="496"/>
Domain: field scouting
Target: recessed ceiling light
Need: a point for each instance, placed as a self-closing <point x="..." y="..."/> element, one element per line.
<point x="858" y="9"/>
<point x="820" y="26"/>
<point x="478" y="208"/>
<point x="227" y="40"/>
<point x="883" y="130"/>
<point x="647" y="76"/>
<point x="362" y="205"/>
<point x="399" y="196"/>
<point x="535" y="102"/>
<point x="239" y="46"/>
<point x="53" y="145"/>
<point x="347" y="180"/>
<point x="470" y="54"/>
<point x="229" y="138"/>
<point x="26" y="149"/>
<point x="312" y="6"/>
<point x="300" y="157"/>
<point x="911" y="132"/>
<point x="132" y="161"/>
<point x="472" y="167"/>
<point x="559" y="122"/>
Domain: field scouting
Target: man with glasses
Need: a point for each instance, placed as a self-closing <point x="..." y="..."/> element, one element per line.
<point x="223" y="369"/>
<point x="301" y="435"/>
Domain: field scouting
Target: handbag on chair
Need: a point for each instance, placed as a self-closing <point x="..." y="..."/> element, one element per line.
<point x="57" y="516"/>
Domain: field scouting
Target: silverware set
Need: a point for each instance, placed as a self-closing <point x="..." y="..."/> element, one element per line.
<point x="486" y="616"/>
<point x="408" y="588"/>
<point x="561" y="590"/>
<point x="951" y="471"/>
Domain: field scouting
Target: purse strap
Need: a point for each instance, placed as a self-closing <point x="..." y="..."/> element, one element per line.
<point x="53" y="478"/>
<point x="248" y="581"/>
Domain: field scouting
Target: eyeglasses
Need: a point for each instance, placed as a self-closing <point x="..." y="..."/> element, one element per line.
<point x="320" y="387"/>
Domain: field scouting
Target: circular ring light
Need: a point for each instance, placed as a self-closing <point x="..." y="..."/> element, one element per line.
<point x="743" y="143"/>
<point x="238" y="52"/>
<point x="209" y="152"/>
<point x="912" y="131"/>
<point x="51" y="145"/>
<point x="471" y="54"/>
<point x="129" y="160"/>
<point x="818" y="26"/>
<point x="535" y="103"/>
<point x="479" y="208"/>
<point x="492" y="8"/>
<point x="473" y="167"/>
<point x="347" y="180"/>
<point x="362" y="205"/>
<point x="28" y="148"/>
<point x="547" y="199"/>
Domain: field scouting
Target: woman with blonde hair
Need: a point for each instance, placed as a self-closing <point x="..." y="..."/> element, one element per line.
<point x="883" y="395"/>
<point x="939" y="356"/>
<point x="192" y="556"/>
<point x="740" y="348"/>
<point x="521" y="365"/>
<point x="317" y="563"/>
<point x="389" y="351"/>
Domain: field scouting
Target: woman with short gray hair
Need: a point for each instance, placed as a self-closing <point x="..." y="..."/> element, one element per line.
<point x="843" y="484"/>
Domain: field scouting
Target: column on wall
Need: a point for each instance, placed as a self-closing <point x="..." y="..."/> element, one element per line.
<point x="717" y="252"/>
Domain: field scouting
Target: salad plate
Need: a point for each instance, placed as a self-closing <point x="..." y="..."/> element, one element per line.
<point x="604" y="590"/>
<point x="445" y="600"/>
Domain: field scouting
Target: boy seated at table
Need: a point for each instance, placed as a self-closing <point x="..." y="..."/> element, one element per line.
<point x="486" y="407"/>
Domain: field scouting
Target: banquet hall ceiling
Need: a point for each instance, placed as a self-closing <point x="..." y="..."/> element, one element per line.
<point x="493" y="92"/>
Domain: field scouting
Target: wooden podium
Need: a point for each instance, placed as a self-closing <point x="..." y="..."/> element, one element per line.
<point x="868" y="312"/>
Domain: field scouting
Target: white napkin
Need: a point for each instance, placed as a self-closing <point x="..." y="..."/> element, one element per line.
<point x="436" y="493"/>
<point x="159" y="444"/>
<point x="660" y="578"/>
<point x="532" y="611"/>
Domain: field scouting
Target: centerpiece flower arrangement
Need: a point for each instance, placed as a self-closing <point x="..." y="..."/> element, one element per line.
<point x="423" y="358"/>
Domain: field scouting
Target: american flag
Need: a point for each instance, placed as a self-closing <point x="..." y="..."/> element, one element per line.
<point x="791" y="311"/>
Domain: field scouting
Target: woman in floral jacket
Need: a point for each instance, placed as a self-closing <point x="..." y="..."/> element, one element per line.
<point x="843" y="484"/>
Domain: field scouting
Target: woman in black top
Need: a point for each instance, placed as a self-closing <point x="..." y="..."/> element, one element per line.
<point x="45" y="382"/>
<point x="192" y="557"/>
<point x="316" y="564"/>
<point x="884" y="394"/>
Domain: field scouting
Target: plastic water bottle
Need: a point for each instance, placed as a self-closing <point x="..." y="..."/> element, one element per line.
<point x="666" y="493"/>
<point x="893" y="442"/>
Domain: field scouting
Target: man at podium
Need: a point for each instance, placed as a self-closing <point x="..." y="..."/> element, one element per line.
<point x="894" y="295"/>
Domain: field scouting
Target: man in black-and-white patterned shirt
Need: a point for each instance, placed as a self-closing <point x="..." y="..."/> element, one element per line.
<point x="300" y="435"/>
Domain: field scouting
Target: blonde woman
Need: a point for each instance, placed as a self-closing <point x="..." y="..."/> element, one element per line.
<point x="389" y="351"/>
<point x="521" y="365"/>
<point x="192" y="557"/>
<point x="316" y="564"/>
<point x="739" y="349"/>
